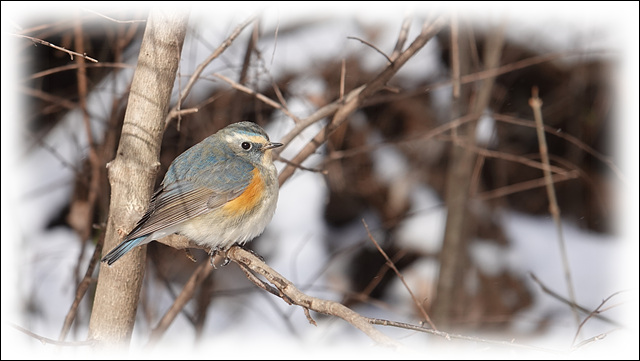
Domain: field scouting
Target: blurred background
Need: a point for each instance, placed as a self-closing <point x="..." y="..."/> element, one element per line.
<point x="395" y="165"/>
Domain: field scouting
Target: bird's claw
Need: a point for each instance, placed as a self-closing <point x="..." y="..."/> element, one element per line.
<point x="213" y="252"/>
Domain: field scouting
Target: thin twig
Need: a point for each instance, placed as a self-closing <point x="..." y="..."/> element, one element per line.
<point x="372" y="47"/>
<point x="81" y="290"/>
<point x="555" y="295"/>
<point x="476" y="174"/>
<point x="95" y="165"/>
<point x="44" y="42"/>
<point x="455" y="56"/>
<point x="58" y="101"/>
<point x="309" y="318"/>
<point x="568" y="137"/>
<point x="46" y="340"/>
<point x="199" y="275"/>
<point x="56" y="154"/>
<point x="74" y="66"/>
<point x="536" y="104"/>
<point x="300" y="166"/>
<point x="355" y="99"/>
<point x="484" y="74"/>
<point x="523" y="186"/>
<point x="279" y="95"/>
<point x="395" y="269"/>
<point x="196" y="75"/>
<point x="178" y="114"/>
<point x="591" y="314"/>
<point x="375" y="281"/>
<point x="595" y="338"/>
<point x="259" y="96"/>
<point x="170" y="289"/>
<point x="237" y="107"/>
<point x="449" y="336"/>
<point x="505" y="156"/>
<point x="561" y="174"/>
<point x="402" y="37"/>
<point x="116" y="20"/>
<point x="343" y="76"/>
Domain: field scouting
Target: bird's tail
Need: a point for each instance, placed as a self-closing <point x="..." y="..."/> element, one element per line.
<point x="123" y="248"/>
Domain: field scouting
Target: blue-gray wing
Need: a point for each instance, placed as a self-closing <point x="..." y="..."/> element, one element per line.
<point x="181" y="199"/>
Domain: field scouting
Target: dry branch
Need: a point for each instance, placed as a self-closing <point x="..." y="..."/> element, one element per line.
<point x="132" y="173"/>
<point x="293" y="295"/>
<point x="44" y="42"/>
<point x="343" y="108"/>
<point x="81" y="290"/>
<point x="459" y="174"/>
<point x="175" y="111"/>
<point x="536" y="104"/>
<point x="418" y="304"/>
<point x="199" y="275"/>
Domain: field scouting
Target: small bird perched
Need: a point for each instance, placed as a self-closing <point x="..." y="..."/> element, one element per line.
<point x="220" y="192"/>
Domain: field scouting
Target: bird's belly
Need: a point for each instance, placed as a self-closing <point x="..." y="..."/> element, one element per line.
<point x="220" y="228"/>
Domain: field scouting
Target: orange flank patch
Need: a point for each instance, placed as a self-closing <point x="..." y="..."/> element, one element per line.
<point x="249" y="198"/>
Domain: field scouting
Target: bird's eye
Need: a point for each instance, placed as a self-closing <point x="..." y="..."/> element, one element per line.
<point x="246" y="145"/>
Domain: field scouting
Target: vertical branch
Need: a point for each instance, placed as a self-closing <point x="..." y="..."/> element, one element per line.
<point x="81" y="214"/>
<point x="175" y="111"/>
<point x="418" y="304"/>
<point x="98" y="194"/>
<point x="85" y="206"/>
<point x="402" y="38"/>
<point x="132" y="173"/>
<point x="536" y="104"/>
<point x="199" y="275"/>
<point x="459" y="179"/>
<point x="237" y="105"/>
<point x="81" y="290"/>
<point x="455" y="56"/>
<point x="456" y="186"/>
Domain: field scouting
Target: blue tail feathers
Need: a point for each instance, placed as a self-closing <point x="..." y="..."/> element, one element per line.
<point x="122" y="249"/>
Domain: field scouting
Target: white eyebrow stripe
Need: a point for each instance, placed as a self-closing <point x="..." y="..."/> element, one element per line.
<point x="246" y="137"/>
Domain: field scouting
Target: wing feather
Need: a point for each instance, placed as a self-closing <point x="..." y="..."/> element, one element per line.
<point x="179" y="202"/>
<point x="220" y="180"/>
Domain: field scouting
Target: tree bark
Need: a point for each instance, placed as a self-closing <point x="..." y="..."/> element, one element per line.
<point x="133" y="171"/>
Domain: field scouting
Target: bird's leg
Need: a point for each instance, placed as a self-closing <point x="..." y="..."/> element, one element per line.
<point x="213" y="252"/>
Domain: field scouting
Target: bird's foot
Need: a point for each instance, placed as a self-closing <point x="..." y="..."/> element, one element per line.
<point x="216" y="251"/>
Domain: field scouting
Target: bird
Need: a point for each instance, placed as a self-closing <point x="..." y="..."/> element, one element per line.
<point x="220" y="192"/>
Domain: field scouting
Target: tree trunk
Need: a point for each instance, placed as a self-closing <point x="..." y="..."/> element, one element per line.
<point x="133" y="171"/>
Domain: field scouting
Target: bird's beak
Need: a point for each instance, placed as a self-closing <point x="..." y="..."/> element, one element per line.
<point x="272" y="145"/>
